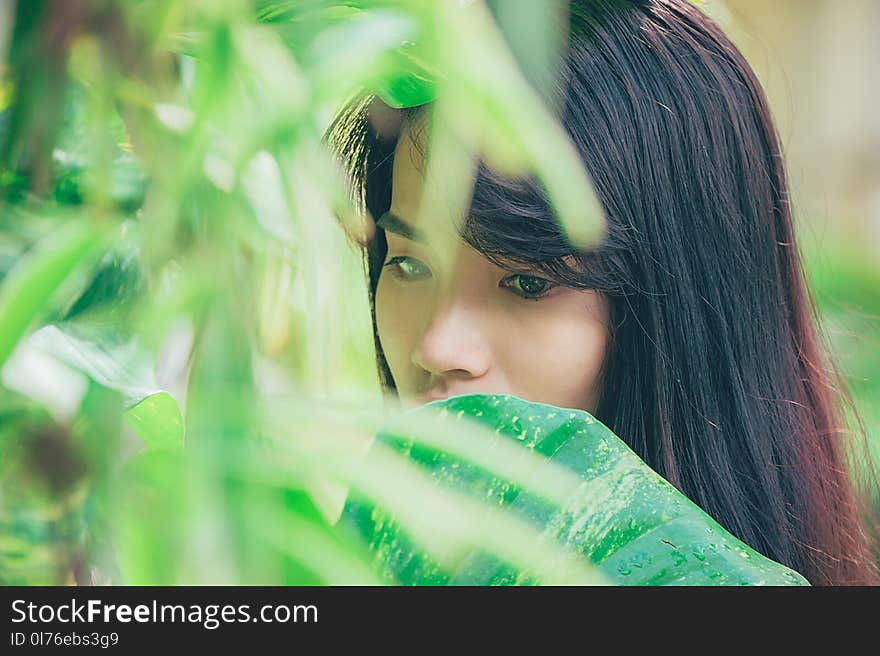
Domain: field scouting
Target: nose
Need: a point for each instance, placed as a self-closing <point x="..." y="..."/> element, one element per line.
<point x="454" y="344"/>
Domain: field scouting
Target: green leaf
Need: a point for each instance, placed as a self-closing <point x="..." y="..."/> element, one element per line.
<point x="28" y="289"/>
<point x="621" y="516"/>
<point x="100" y="353"/>
<point x="157" y="421"/>
<point x="153" y="414"/>
<point x="411" y="79"/>
<point x="410" y="86"/>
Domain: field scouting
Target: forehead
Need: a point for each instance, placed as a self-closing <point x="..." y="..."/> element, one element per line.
<point x="407" y="174"/>
<point x="436" y="223"/>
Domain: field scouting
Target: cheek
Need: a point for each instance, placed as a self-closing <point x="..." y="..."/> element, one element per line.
<point x="394" y="324"/>
<point x="557" y="357"/>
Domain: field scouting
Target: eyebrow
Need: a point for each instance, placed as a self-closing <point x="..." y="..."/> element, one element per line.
<point x="393" y="223"/>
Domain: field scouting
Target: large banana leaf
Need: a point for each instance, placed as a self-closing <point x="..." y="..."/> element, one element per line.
<point x="621" y="516"/>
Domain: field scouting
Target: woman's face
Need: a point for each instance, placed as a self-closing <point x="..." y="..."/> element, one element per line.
<point x="479" y="328"/>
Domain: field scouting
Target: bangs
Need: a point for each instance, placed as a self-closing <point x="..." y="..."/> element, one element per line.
<point x="510" y="222"/>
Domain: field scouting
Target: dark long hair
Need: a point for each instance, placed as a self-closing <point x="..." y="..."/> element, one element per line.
<point x="716" y="374"/>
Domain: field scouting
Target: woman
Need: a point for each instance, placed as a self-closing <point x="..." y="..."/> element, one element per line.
<point x="689" y="330"/>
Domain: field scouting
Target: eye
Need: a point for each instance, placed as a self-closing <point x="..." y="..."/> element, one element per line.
<point x="406" y="268"/>
<point x="530" y="287"/>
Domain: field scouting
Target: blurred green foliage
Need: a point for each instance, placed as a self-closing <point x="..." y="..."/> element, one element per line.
<point x="188" y="379"/>
<point x="188" y="384"/>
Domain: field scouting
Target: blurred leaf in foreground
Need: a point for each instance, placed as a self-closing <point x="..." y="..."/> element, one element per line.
<point x="157" y="421"/>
